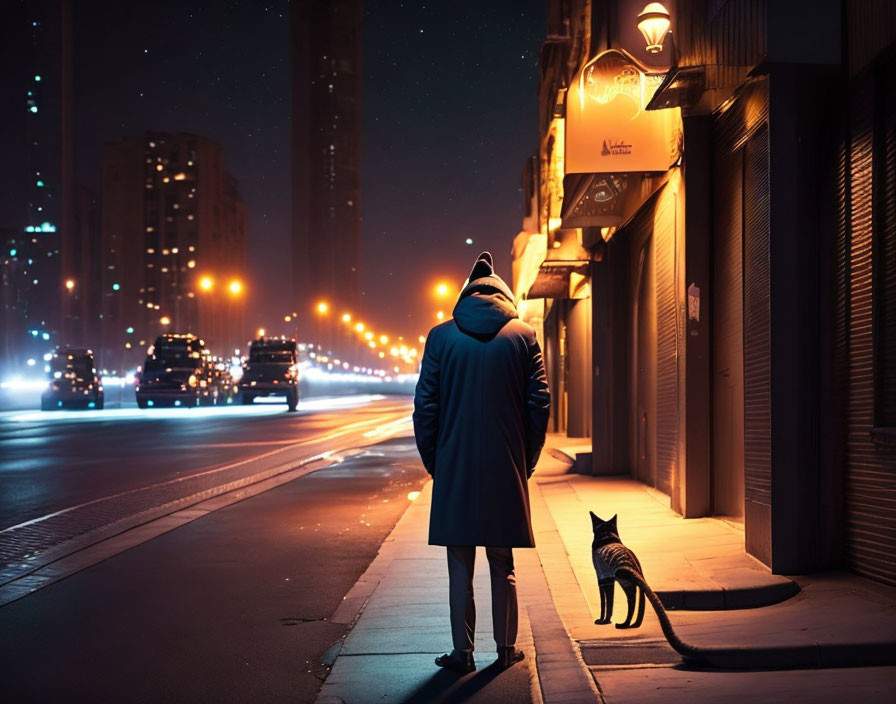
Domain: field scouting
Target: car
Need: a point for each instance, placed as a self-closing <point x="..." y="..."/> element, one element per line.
<point x="224" y="382"/>
<point x="178" y="370"/>
<point x="74" y="381"/>
<point x="271" y="370"/>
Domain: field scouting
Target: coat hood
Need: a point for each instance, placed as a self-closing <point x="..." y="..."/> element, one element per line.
<point x="485" y="304"/>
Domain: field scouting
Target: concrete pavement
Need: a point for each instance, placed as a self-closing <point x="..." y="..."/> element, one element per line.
<point x="399" y="609"/>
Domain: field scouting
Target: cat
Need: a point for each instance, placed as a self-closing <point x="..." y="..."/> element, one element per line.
<point x="614" y="562"/>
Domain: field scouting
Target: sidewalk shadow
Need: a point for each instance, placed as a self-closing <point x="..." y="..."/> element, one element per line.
<point x="446" y="687"/>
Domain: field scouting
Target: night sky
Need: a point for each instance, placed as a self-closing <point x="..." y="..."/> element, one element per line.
<point x="449" y="111"/>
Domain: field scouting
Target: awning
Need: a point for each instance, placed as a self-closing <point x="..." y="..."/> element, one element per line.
<point x="606" y="200"/>
<point x="682" y="87"/>
<point x="553" y="279"/>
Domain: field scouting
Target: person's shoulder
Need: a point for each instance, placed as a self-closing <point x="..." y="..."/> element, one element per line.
<point x="438" y="333"/>
<point x="522" y="329"/>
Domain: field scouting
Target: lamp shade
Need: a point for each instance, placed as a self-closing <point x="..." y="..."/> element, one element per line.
<point x="654" y="22"/>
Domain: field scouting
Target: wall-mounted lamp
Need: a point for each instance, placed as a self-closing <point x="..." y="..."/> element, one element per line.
<point x="654" y="22"/>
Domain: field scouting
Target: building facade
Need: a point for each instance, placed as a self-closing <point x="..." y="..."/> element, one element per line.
<point x="174" y="241"/>
<point x="326" y="151"/>
<point x="725" y="207"/>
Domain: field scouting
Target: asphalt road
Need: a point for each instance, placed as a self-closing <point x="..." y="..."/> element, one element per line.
<point x="55" y="460"/>
<point x="232" y="607"/>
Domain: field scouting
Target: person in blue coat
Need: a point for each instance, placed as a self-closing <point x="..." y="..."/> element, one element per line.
<point x="480" y="414"/>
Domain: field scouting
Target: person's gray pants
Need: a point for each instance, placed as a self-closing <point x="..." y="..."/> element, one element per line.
<point x="460" y="596"/>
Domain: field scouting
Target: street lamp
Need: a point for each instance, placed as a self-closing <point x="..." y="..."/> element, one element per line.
<point x="70" y="284"/>
<point x="206" y="283"/>
<point x="322" y="307"/>
<point x="654" y="22"/>
<point x="165" y="320"/>
<point x="236" y="288"/>
<point x="346" y="318"/>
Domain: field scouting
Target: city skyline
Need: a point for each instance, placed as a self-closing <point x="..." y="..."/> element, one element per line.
<point x="245" y="105"/>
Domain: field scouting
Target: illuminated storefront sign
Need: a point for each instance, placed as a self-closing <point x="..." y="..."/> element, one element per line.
<point x="608" y="129"/>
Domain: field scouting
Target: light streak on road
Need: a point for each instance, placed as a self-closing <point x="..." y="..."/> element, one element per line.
<point x="189" y="414"/>
<point x="387" y="428"/>
<point x="325" y="437"/>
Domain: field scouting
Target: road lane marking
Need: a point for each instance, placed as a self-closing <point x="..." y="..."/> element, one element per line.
<point x="327" y="435"/>
<point x="78" y="553"/>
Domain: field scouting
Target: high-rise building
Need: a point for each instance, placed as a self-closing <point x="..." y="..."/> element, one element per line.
<point x="174" y="246"/>
<point x="326" y="151"/>
<point x="50" y="290"/>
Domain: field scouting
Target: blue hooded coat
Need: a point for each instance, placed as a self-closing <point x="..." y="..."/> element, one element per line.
<point x="480" y="414"/>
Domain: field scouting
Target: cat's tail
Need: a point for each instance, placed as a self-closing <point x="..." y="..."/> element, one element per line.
<point x="787" y="657"/>
<point x="686" y="650"/>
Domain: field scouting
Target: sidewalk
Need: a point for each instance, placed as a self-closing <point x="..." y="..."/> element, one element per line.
<point x="403" y="625"/>
<point x="399" y="608"/>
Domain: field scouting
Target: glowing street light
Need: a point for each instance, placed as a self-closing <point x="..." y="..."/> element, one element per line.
<point x="236" y="288"/>
<point x="260" y="332"/>
<point x="165" y="320"/>
<point x="359" y="327"/>
<point x="346" y="318"/>
<point x="70" y="284"/>
<point x="440" y="315"/>
<point x="384" y="339"/>
<point x="654" y="22"/>
<point x="206" y="283"/>
<point x="442" y="290"/>
<point x="322" y="307"/>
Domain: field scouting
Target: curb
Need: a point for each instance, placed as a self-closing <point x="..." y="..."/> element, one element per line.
<point x="723" y="599"/>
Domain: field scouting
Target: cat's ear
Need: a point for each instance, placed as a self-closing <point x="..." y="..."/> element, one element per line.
<point x="613" y="520"/>
<point x="594" y="519"/>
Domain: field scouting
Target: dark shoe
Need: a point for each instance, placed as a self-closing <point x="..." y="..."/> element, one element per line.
<point x="458" y="661"/>
<point x="509" y="656"/>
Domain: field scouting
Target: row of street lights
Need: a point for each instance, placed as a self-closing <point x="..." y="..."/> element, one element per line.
<point x="382" y="345"/>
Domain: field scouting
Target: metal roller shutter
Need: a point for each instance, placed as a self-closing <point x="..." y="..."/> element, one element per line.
<point x="885" y="254"/>
<point x="870" y="491"/>
<point x="757" y="349"/>
<point x="668" y="327"/>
